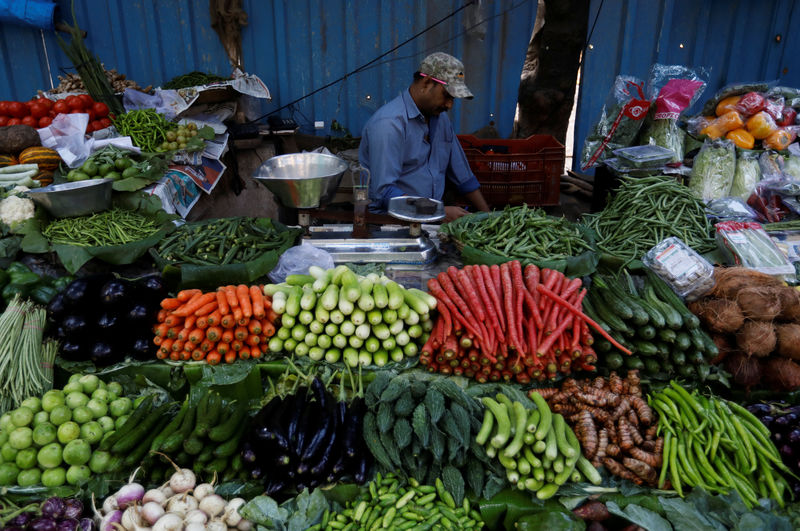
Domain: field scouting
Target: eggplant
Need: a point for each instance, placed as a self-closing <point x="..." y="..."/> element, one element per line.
<point x="154" y="285"/>
<point x="73" y="508"/>
<point x="68" y="524"/>
<point x="325" y="434"/>
<point x="794" y="436"/>
<point x="22" y="519"/>
<point x="759" y="409"/>
<point x="108" y="322"/>
<point x="782" y="423"/>
<point x="354" y="425"/>
<point x="72" y="350"/>
<point x="116" y="292"/>
<point x="53" y="507"/>
<point x="43" y="524"/>
<point x="57" y="306"/>
<point x="140" y="312"/>
<point x="360" y="473"/>
<point x="313" y="415"/>
<point x="767" y="420"/>
<point x="296" y="409"/>
<point x="142" y="348"/>
<point x="83" y="292"/>
<point x="75" y="325"/>
<point x="102" y="353"/>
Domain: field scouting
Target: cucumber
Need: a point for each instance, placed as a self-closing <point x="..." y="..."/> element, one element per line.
<point x="173" y="442"/>
<point x="193" y="445"/>
<point x="663" y="350"/>
<point x="209" y="417"/>
<point x="229" y="447"/>
<point x="686" y="370"/>
<point x="645" y="348"/>
<point x="646" y="332"/>
<point x="138" y="453"/>
<point x="602" y="345"/>
<point x="133" y="420"/>
<point x="218" y="465"/>
<point x="633" y="362"/>
<point x="672" y="317"/>
<point x="666" y="294"/>
<point x="709" y="346"/>
<point x="651" y="366"/>
<point x="206" y="455"/>
<point x="170" y="428"/>
<point x="224" y="431"/>
<point x="608" y="314"/>
<point x="696" y="357"/>
<point x="679" y="358"/>
<point x="293" y="302"/>
<point x="640" y="316"/>
<point x="141" y="431"/>
<point x="682" y="341"/>
<point x="589" y="310"/>
<point x="656" y="317"/>
<point x="613" y="360"/>
<point x="667" y="335"/>
<point x="696" y="336"/>
<point x="616" y="304"/>
<point x="667" y="366"/>
<point x="395" y="293"/>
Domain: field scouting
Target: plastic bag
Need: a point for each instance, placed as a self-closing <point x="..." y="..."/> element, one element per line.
<point x="730" y="209"/>
<point x="791" y="166"/>
<point x="297" y="260"/>
<point x="747" y="244"/>
<point x="713" y="169"/>
<point x="688" y="274"/>
<point x="619" y="123"/>
<point x="746" y="176"/>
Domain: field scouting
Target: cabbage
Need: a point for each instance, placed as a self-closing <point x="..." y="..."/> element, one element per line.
<point x="746" y="176"/>
<point x="713" y="169"/>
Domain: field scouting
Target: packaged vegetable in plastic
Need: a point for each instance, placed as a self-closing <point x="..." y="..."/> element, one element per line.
<point x="771" y="164"/>
<point x="761" y="125"/>
<point x="730" y="209"/>
<point x="791" y="167"/>
<point x="741" y="138"/>
<point x="727" y="122"/>
<point x="619" y="123"/>
<point x="713" y="170"/>
<point x="726" y="105"/>
<point x="746" y="176"/>
<point x="688" y="274"/>
<point x="780" y="139"/>
<point x="748" y="245"/>
<point x="751" y="103"/>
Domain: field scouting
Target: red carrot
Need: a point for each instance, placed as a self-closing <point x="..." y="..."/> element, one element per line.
<point x="438" y="291"/>
<point x="469" y="319"/>
<point x="508" y="302"/>
<point x="490" y="288"/>
<point x="471" y="294"/>
<point x="575" y="311"/>
<point x="444" y="314"/>
<point x="480" y="284"/>
<point x="532" y="274"/>
<point x="519" y="288"/>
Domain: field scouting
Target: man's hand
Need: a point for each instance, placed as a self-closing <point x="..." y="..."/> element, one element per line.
<point x="452" y="213"/>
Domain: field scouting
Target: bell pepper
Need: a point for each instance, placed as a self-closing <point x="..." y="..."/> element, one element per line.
<point x="62" y="282"/>
<point x="751" y="103"/>
<point x="23" y="279"/>
<point x="727" y="105"/>
<point x="788" y="116"/>
<point x="779" y="140"/>
<point x="727" y="122"/>
<point x="761" y="125"/>
<point x="18" y="267"/>
<point x="43" y="294"/>
<point x="14" y="289"/>
<point x="3" y="278"/>
<point x="741" y="138"/>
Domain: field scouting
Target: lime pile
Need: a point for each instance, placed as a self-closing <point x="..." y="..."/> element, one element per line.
<point x="52" y="440"/>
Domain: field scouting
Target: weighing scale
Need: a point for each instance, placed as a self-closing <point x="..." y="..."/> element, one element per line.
<point x="308" y="181"/>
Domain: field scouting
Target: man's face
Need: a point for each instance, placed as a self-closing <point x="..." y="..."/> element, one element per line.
<point x="436" y="99"/>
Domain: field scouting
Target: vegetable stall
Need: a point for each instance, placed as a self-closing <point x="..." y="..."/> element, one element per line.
<point x="633" y="369"/>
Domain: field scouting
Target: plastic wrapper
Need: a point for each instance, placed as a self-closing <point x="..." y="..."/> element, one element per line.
<point x="791" y="166"/>
<point x="620" y="120"/>
<point x="746" y="176"/>
<point x="688" y="274"/>
<point x="771" y="165"/>
<point x="730" y="209"/>
<point x="734" y="89"/>
<point x="713" y="169"/>
<point x="748" y="245"/>
<point x="298" y="259"/>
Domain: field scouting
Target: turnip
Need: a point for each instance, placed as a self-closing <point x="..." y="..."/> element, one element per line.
<point x="181" y="504"/>
<point x="232" y="516"/>
<point x="109" y="521"/>
<point x="132" y="519"/>
<point x="213" y="505"/>
<point x="216" y="525"/>
<point x="169" y="522"/>
<point x="182" y="480"/>
<point x="128" y="495"/>
<point x="202" y="490"/>
<point x="152" y="511"/>
<point x="110" y="505"/>
<point x="244" y="525"/>
<point x="194" y="526"/>
<point x="154" y="495"/>
<point x="195" y="516"/>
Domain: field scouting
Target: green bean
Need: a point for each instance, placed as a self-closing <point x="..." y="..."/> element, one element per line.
<point x="146" y="127"/>
<point x="111" y="227"/>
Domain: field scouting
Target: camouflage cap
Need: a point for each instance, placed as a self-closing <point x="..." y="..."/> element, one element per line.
<point x="449" y="71"/>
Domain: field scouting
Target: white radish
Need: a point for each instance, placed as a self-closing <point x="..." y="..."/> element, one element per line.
<point x="213" y="505"/>
<point x="154" y="495"/>
<point x="203" y="490"/>
<point x="169" y="522"/>
<point x="152" y="511"/>
<point x="195" y="516"/>
<point x="232" y="516"/>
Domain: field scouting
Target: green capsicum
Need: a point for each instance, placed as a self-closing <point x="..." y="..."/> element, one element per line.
<point x="14" y="289"/>
<point x="62" y="282"/>
<point x="17" y="267"/>
<point x="42" y="294"/>
<point x="23" y="279"/>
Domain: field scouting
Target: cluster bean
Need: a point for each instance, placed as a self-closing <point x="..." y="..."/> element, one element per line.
<point x="111" y="227"/>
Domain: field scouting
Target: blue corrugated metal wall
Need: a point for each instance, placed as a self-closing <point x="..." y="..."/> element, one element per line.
<point x="740" y="40"/>
<point x="296" y="46"/>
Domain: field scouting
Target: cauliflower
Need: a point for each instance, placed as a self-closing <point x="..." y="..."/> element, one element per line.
<point x="14" y="209"/>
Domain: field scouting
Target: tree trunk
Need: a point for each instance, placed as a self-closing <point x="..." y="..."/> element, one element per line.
<point x="547" y="88"/>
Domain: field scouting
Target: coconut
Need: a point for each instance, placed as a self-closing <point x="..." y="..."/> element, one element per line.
<point x="731" y="280"/>
<point x="789" y="340"/>
<point x="781" y="374"/>
<point x="746" y="371"/>
<point x="756" y="338"/>
<point x="759" y="303"/>
<point x="719" y="315"/>
<point x="725" y="346"/>
<point x="790" y="304"/>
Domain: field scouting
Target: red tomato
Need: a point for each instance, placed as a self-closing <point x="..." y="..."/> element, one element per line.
<point x="17" y="109"/>
<point x="44" y="121"/>
<point x="4" y="108"/>
<point x="14" y="121"/>
<point x="3" y="121"/>
<point x="30" y="120"/>
<point x="52" y="113"/>
<point x="38" y="110"/>
<point x="91" y="114"/>
<point x="90" y="127"/>
<point x="74" y="102"/>
<point x="61" y="107"/>
<point x="47" y="102"/>
<point x="87" y="100"/>
<point x="77" y="111"/>
<point x="106" y="122"/>
<point x="100" y="109"/>
<point x="97" y="125"/>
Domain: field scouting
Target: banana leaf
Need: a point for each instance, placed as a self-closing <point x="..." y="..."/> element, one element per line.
<point x="73" y="257"/>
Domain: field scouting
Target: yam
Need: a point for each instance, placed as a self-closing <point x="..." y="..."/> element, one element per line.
<point x="719" y="315"/>
<point x="731" y="280"/>
<point x="756" y="338"/>
<point x="15" y="138"/>
<point x="745" y="370"/>
<point x="790" y="304"/>
<point x="759" y="303"/>
<point x="789" y="340"/>
<point x="781" y="374"/>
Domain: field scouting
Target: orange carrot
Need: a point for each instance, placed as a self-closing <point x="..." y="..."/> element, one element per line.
<point x="170" y="304"/>
<point x="257" y="299"/>
<point x="160" y="329"/>
<point x="230" y="357"/>
<point x="238" y="315"/>
<point x="158" y="340"/>
<point x="236" y="345"/>
<point x="172" y="333"/>
<point x="198" y="354"/>
<point x="189" y="322"/>
<point x="166" y="346"/>
<point x="227" y="336"/>
<point x="268" y="329"/>
<point x="214" y="318"/>
<point x="173" y="320"/>
<point x="188" y="346"/>
<point x="186" y="294"/>
<point x="243" y="294"/>
<point x="185" y="355"/>
<point x="162" y="314"/>
<point x="272" y="316"/>
<point x="255" y="353"/>
<point x="213" y="333"/>
<point x="252" y="340"/>
<point x="213" y="358"/>
<point x="244" y="353"/>
<point x="195" y="304"/>
<point x="201" y="323"/>
<point x="196" y="336"/>
<point x="254" y="327"/>
<point x="161" y="355"/>
<point x="240" y="333"/>
<point x="230" y="294"/>
<point x="228" y="321"/>
<point x="263" y="348"/>
<point x="206" y="345"/>
<point x="222" y="348"/>
<point x="206" y="309"/>
<point x="222" y="301"/>
<point x="183" y="334"/>
<point x="174" y="356"/>
<point x="177" y="345"/>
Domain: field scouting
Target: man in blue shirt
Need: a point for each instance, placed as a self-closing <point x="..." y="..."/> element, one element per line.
<point x="410" y="146"/>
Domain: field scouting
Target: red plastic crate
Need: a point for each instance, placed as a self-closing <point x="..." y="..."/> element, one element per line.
<point x="513" y="172"/>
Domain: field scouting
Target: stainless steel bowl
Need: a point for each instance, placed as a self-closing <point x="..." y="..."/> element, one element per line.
<point x="74" y="199"/>
<point x="302" y="180"/>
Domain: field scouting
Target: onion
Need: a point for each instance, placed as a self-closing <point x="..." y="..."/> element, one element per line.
<point x="169" y="522"/>
<point x="232" y="516"/>
<point x="213" y="505"/>
<point x="203" y="490"/>
<point x="181" y="504"/>
<point x="196" y="516"/>
<point x="129" y="494"/>
<point x="108" y="521"/>
<point x="154" y="495"/>
<point x="152" y="511"/>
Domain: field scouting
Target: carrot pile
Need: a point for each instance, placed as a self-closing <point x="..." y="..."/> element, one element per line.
<point x="501" y="322"/>
<point x="232" y="322"/>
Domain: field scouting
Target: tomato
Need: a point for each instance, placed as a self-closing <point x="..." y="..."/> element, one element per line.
<point x="91" y="114"/>
<point x="77" y="111"/>
<point x="17" y="109"/>
<point x="74" y="102"/>
<point x="30" y="120"/>
<point x="44" y="121"/>
<point x="61" y="107"/>
<point x="90" y="127"/>
<point x="38" y="110"/>
<point x="3" y="121"/>
<point x="106" y="122"/>
<point x="14" y="121"/>
<point x="87" y="100"/>
<point x="47" y="102"/>
<point x="100" y="109"/>
<point x="97" y="125"/>
<point x="4" y="108"/>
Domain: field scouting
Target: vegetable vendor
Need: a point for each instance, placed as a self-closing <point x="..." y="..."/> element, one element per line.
<point x="409" y="145"/>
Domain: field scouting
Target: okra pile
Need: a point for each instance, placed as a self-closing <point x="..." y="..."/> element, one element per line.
<point x="537" y="448"/>
<point x="390" y="504"/>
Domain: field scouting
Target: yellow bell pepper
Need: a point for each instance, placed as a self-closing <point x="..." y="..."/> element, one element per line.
<point x="779" y="140"/>
<point x="741" y="138"/>
<point x="761" y="125"/>
<point x="727" y="105"/>
<point x="727" y="122"/>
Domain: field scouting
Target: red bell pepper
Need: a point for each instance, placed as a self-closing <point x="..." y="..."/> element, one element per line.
<point x="788" y="116"/>
<point x="751" y="103"/>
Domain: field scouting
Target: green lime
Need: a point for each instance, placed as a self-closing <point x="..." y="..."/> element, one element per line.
<point x="80" y="176"/>
<point x="5" y="422"/>
<point x="105" y="169"/>
<point x="54" y="477"/>
<point x="123" y="163"/>
<point x="33" y="403"/>
<point x="26" y="458"/>
<point x="69" y="431"/>
<point x="49" y="456"/>
<point x="8" y="453"/>
<point x="120" y="406"/>
<point x="30" y="477"/>
<point x="130" y="172"/>
<point x="8" y="474"/>
<point x="97" y="407"/>
<point x="114" y="175"/>
<point x="77" y="474"/>
<point x="107" y="423"/>
<point x="89" y="168"/>
<point x="92" y="432"/>
<point x="60" y="415"/>
<point x="71" y="175"/>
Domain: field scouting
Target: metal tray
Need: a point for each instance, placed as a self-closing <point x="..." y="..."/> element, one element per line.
<point x="404" y="208"/>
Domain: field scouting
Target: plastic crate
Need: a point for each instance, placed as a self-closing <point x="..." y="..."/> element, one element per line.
<point x="513" y="172"/>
